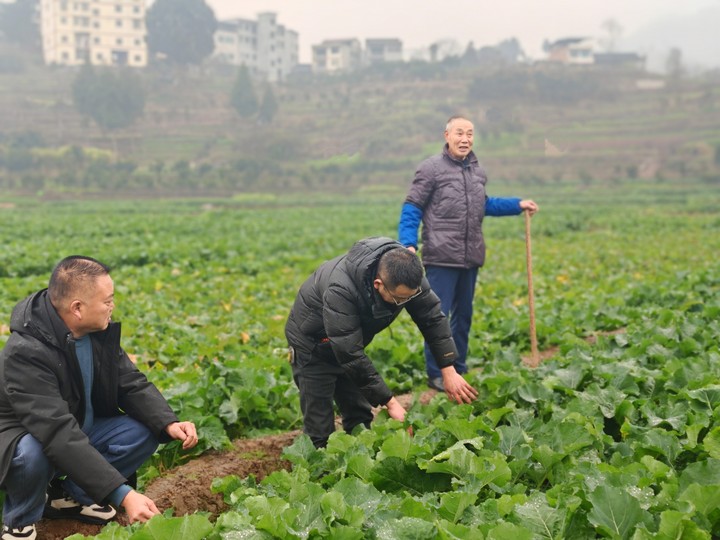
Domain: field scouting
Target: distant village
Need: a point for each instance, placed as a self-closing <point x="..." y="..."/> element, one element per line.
<point x="76" y="32"/>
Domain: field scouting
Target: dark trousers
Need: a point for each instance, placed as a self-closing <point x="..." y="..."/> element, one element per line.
<point x="323" y="383"/>
<point x="456" y="289"/>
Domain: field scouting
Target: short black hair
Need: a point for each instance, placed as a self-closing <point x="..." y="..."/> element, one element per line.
<point x="400" y="266"/>
<point x="71" y="273"/>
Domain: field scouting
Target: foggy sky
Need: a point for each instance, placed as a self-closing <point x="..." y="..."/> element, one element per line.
<point x="419" y="23"/>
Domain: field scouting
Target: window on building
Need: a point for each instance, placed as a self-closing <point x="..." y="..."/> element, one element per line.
<point x="118" y="8"/>
<point x="137" y="24"/>
<point x="119" y="41"/>
<point x="118" y="23"/>
<point x="96" y="41"/>
<point x="120" y="58"/>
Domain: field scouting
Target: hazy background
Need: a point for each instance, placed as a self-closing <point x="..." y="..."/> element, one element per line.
<point x="650" y="27"/>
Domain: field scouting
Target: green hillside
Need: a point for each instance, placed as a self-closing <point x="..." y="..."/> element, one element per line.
<point x="541" y="123"/>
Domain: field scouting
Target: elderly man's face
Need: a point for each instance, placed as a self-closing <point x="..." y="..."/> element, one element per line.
<point x="459" y="137"/>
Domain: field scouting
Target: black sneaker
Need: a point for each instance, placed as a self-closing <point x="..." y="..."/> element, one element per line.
<point x="436" y="383"/>
<point x="27" y="532"/>
<point x="69" y="508"/>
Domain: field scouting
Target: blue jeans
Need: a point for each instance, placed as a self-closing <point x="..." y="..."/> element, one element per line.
<point x="123" y="441"/>
<point x="456" y="289"/>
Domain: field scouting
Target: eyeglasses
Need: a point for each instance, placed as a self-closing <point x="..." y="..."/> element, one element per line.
<point x="403" y="300"/>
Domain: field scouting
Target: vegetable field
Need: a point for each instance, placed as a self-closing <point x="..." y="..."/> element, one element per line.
<point x="615" y="435"/>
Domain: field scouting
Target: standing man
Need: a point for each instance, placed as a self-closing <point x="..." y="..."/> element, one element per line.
<point x="336" y="314"/>
<point x="75" y="412"/>
<point x="448" y="196"/>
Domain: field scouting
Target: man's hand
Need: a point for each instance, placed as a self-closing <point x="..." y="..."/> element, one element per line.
<point x="529" y="205"/>
<point x="412" y="249"/>
<point x="139" y="507"/>
<point x="183" y="431"/>
<point x="395" y="410"/>
<point x="457" y="388"/>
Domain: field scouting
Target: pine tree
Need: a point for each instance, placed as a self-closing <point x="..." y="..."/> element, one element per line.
<point x="243" y="97"/>
<point x="268" y="107"/>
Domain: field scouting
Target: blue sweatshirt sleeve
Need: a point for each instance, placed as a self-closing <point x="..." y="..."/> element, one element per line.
<point x="502" y="206"/>
<point x="118" y="494"/>
<point x="410" y="218"/>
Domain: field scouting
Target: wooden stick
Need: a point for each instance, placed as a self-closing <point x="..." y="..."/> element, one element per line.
<point x="535" y="360"/>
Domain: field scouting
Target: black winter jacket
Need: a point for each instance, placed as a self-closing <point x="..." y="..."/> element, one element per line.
<point x="41" y="393"/>
<point x="338" y="311"/>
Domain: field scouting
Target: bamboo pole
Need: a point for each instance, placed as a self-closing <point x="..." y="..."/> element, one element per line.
<point x="535" y="358"/>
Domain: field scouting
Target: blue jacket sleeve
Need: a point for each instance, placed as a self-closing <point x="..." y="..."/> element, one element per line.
<point x="410" y="218"/>
<point x="502" y="206"/>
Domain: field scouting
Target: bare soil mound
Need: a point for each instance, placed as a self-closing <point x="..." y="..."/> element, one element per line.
<point x="186" y="488"/>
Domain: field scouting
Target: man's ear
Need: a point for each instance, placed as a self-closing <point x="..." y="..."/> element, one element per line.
<point x="75" y="309"/>
<point x="377" y="283"/>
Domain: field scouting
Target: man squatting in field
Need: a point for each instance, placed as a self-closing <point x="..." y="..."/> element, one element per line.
<point x="77" y="418"/>
<point x="336" y="314"/>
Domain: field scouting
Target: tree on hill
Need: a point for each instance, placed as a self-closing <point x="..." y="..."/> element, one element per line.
<point x="112" y="100"/>
<point x="242" y="97"/>
<point x="614" y="31"/>
<point x="18" y="24"/>
<point x="268" y="107"/>
<point x="182" y="30"/>
<point x="674" y="66"/>
<point x="511" y="50"/>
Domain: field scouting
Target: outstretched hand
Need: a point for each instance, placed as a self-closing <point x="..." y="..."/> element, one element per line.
<point x="397" y="411"/>
<point x="456" y="387"/>
<point x="183" y="431"/>
<point x="139" y="507"/>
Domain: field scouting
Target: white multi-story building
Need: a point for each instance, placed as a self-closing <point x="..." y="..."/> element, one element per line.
<point x="383" y="50"/>
<point x="101" y="32"/>
<point x="578" y="50"/>
<point x="336" y="55"/>
<point x="268" y="49"/>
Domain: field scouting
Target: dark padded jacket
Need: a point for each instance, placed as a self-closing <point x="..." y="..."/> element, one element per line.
<point x="338" y="312"/>
<point x="451" y="195"/>
<point x="41" y="393"/>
